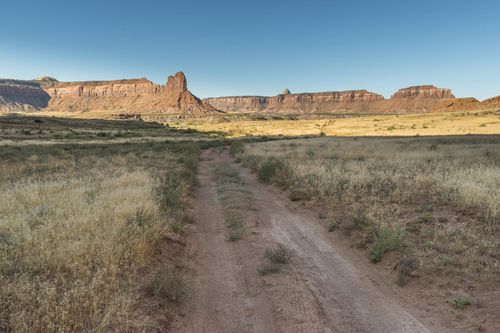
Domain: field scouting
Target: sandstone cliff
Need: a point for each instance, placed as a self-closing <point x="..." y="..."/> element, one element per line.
<point x="421" y="92"/>
<point x="292" y="103"/>
<point x="492" y="102"/>
<point x="136" y="95"/>
<point x="416" y="99"/>
<point x="124" y="96"/>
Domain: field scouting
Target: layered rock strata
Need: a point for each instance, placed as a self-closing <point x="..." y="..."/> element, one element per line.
<point x="416" y="99"/>
<point x="125" y="96"/>
<point x="136" y="95"/>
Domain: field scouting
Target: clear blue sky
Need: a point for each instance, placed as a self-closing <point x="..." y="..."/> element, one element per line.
<point x="259" y="47"/>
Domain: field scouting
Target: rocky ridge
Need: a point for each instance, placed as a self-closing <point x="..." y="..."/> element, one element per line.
<point x="426" y="91"/>
<point x="135" y="96"/>
<point x="304" y="102"/>
<point x="415" y="99"/>
<point x="125" y="96"/>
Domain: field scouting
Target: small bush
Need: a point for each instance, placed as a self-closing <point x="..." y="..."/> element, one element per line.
<point x="169" y="194"/>
<point x="268" y="168"/>
<point x="278" y="255"/>
<point x="310" y="153"/>
<point x="269" y="268"/>
<point x="461" y="302"/>
<point x="236" y="148"/>
<point x="405" y="267"/>
<point x="167" y="284"/>
<point x="141" y="218"/>
<point x="332" y="226"/>
<point x="235" y="235"/>
<point x="387" y="238"/>
<point x="354" y="220"/>
<point x="297" y="194"/>
<point x="251" y="161"/>
<point x="233" y="221"/>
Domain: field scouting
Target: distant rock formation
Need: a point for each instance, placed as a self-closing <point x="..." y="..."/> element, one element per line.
<point x="46" y="80"/>
<point x="178" y="97"/>
<point x="127" y="96"/>
<point x="427" y="91"/>
<point x="305" y="102"/>
<point x="415" y="99"/>
<point x="22" y="95"/>
<point x="141" y="96"/>
<point x="492" y="102"/>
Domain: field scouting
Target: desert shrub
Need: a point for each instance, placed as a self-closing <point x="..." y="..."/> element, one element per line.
<point x="251" y="161"/>
<point x="169" y="193"/>
<point x="233" y="220"/>
<point x="235" y="234"/>
<point x="332" y="225"/>
<point x="297" y="194"/>
<point x="267" y="168"/>
<point x="310" y="153"/>
<point x="461" y="302"/>
<point x="278" y="255"/>
<point x="269" y="268"/>
<point x="387" y="238"/>
<point x="405" y="267"/>
<point x="141" y="218"/>
<point x="236" y="148"/>
<point x="407" y="180"/>
<point x="169" y="284"/>
<point x="354" y="219"/>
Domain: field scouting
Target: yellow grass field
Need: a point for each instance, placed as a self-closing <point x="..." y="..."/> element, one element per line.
<point x="457" y="123"/>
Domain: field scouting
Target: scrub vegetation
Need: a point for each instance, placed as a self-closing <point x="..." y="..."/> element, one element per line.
<point x="433" y="201"/>
<point x="80" y="224"/>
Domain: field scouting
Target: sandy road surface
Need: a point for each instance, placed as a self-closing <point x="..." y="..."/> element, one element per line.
<point x="321" y="290"/>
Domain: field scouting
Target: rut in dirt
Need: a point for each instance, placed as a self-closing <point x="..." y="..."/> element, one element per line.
<point x="322" y="290"/>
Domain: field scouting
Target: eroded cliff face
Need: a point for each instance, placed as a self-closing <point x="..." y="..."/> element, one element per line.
<point x="492" y="102"/>
<point x="428" y="91"/>
<point x="136" y="95"/>
<point x="305" y="102"/>
<point x="118" y="88"/>
<point x="16" y="95"/>
<point x="416" y="99"/>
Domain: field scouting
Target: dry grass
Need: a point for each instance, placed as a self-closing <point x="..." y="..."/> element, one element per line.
<point x="79" y="225"/>
<point x="456" y="123"/>
<point x="433" y="199"/>
<point x="235" y="200"/>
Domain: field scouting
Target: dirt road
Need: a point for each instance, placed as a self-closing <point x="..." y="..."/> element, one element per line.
<point x="322" y="290"/>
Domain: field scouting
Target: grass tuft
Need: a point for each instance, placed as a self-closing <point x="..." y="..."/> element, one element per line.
<point x="387" y="238"/>
<point x="461" y="302"/>
<point x="278" y="255"/>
